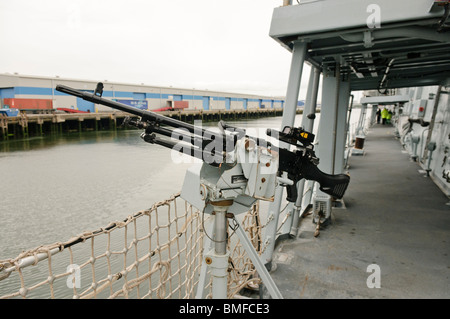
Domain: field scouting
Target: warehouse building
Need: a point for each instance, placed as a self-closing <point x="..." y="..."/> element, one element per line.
<point x="31" y="93"/>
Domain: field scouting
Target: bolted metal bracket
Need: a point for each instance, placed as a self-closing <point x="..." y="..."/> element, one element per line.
<point x="217" y="263"/>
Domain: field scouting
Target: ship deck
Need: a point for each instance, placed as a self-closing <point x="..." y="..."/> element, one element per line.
<point x="394" y="217"/>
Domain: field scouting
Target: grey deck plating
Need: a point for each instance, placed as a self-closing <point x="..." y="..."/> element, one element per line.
<point x="394" y="217"/>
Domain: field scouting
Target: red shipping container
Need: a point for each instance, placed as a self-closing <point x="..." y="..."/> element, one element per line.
<point x="180" y="104"/>
<point x="29" y="104"/>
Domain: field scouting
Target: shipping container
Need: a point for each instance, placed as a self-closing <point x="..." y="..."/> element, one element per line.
<point x="180" y="104"/>
<point x="28" y="104"/>
<point x="176" y="105"/>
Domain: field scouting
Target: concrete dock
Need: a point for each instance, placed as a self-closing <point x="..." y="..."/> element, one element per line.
<point x="394" y="230"/>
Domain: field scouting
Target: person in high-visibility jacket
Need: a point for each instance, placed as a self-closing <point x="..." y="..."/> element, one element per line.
<point x="384" y="114"/>
<point x="388" y="117"/>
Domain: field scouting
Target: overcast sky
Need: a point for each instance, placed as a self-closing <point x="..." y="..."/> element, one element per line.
<point x="203" y="44"/>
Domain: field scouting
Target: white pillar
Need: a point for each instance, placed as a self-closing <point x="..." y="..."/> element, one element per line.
<point x="341" y="127"/>
<point x="289" y="112"/>
<point x="308" y="118"/>
<point x="331" y="147"/>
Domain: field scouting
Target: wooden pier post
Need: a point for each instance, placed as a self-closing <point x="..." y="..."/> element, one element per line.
<point x="39" y="123"/>
<point x="113" y="122"/>
<point x="4" y="126"/>
<point x="23" y="122"/>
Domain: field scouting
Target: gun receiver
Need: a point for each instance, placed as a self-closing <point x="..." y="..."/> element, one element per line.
<point x="215" y="146"/>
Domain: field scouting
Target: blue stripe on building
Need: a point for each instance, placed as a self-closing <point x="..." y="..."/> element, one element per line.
<point x="32" y="90"/>
<point x="138" y="96"/>
<point x="107" y="94"/>
<point x="153" y="95"/>
<point x="123" y="94"/>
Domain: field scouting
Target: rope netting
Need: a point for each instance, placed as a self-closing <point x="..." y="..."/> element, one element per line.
<point x="156" y="253"/>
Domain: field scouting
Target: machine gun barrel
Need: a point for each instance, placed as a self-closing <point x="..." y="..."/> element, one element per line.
<point x="145" y="115"/>
<point x="214" y="159"/>
<point x="149" y="129"/>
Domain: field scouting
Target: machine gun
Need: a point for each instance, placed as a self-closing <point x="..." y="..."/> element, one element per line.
<point x="222" y="149"/>
<point x="236" y="170"/>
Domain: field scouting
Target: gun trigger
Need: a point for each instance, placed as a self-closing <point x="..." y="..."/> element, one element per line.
<point x="315" y="161"/>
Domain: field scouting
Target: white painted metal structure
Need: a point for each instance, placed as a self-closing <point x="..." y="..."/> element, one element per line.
<point x="355" y="45"/>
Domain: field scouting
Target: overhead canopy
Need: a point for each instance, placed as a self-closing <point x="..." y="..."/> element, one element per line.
<point x="385" y="99"/>
<point x="379" y="45"/>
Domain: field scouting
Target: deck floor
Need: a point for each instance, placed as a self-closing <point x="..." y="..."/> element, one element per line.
<point x="394" y="217"/>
